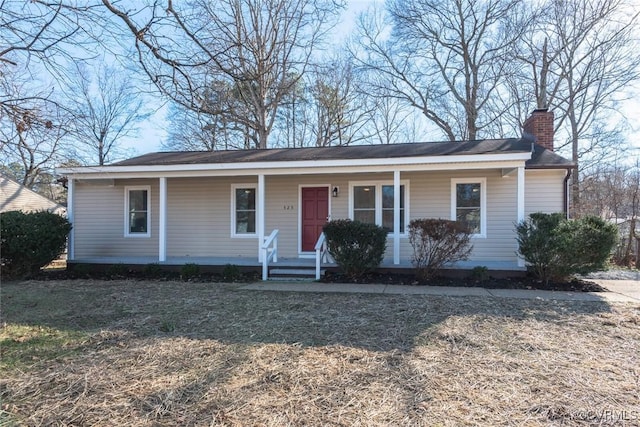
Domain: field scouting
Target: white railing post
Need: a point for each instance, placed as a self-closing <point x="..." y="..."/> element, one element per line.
<point x="321" y="248"/>
<point x="268" y="252"/>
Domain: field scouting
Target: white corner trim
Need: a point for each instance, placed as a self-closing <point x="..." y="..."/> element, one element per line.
<point x="70" y="217"/>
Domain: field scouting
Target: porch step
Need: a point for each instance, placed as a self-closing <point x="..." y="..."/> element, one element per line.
<point x="281" y="273"/>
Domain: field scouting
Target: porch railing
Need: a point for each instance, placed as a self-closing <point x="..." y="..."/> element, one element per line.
<point x="269" y="252"/>
<point x="322" y="253"/>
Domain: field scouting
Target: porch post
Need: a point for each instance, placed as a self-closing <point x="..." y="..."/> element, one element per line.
<point x="71" y="241"/>
<point x="396" y="217"/>
<point x="520" y="204"/>
<point x="162" y="219"/>
<point x="261" y="215"/>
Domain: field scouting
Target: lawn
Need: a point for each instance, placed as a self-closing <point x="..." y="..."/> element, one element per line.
<point x="162" y="353"/>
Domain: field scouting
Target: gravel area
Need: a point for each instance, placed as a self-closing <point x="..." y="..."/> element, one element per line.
<point x="618" y="274"/>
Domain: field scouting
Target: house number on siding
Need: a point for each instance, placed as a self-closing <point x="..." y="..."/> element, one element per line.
<point x="288" y="207"/>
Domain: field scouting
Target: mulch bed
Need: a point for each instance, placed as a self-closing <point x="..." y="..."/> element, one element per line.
<point x="526" y="282"/>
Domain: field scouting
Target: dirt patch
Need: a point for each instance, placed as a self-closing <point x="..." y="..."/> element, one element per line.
<point x="153" y="353"/>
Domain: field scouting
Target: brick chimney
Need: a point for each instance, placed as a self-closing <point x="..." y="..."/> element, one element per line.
<point x="540" y="126"/>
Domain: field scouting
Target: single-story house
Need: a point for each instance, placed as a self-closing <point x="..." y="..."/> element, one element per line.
<point x="17" y="197"/>
<point x="254" y="207"/>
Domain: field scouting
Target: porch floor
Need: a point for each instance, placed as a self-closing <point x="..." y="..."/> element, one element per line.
<point x="282" y="262"/>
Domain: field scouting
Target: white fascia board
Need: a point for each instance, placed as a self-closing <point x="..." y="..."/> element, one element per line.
<point x="476" y="161"/>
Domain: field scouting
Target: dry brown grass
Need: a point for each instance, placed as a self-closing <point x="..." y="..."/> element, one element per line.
<point x="174" y="353"/>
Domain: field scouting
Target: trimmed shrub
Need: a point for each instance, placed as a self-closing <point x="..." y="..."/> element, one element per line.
<point x="437" y="242"/>
<point x="189" y="271"/>
<point x="357" y="247"/>
<point x="231" y="273"/>
<point x="152" y="270"/>
<point x="29" y="241"/>
<point x="555" y="247"/>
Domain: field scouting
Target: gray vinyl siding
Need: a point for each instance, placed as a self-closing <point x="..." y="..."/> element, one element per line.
<point x="199" y="219"/>
<point x="99" y="219"/>
<point x="431" y="198"/>
<point x="199" y="212"/>
<point x="544" y="191"/>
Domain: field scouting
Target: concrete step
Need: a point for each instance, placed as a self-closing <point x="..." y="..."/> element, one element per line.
<point x="300" y="272"/>
<point x="293" y="273"/>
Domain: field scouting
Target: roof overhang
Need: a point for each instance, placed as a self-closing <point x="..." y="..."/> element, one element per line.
<point x="305" y="167"/>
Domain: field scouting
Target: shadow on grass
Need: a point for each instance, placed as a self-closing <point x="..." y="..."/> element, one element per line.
<point x="224" y="313"/>
<point x="180" y="353"/>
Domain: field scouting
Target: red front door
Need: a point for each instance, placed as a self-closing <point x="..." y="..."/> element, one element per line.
<point x="315" y="213"/>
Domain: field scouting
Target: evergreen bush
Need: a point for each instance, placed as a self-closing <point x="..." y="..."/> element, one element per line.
<point x="29" y="241"/>
<point x="357" y="247"/>
<point x="555" y="247"/>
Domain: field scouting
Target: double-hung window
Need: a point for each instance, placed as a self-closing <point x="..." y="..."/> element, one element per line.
<point x="243" y="213"/>
<point x="468" y="204"/>
<point x="137" y="211"/>
<point x="374" y="203"/>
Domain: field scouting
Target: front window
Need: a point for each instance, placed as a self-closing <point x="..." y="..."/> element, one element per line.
<point x="137" y="220"/>
<point x="468" y="204"/>
<point x="373" y="204"/>
<point x="244" y="212"/>
<point x="364" y="203"/>
<point x="387" y="208"/>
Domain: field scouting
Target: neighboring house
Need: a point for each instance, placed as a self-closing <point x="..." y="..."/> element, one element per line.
<point x="219" y="207"/>
<point x="17" y="197"/>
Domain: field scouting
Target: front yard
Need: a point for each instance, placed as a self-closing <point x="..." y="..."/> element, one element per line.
<point x="175" y="353"/>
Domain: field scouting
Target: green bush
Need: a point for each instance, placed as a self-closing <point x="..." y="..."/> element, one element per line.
<point x="357" y="247"/>
<point x="480" y="273"/>
<point x="116" y="270"/>
<point x="437" y="242"/>
<point x="152" y="270"/>
<point x="29" y="241"/>
<point x="231" y="273"/>
<point x="189" y="271"/>
<point x="555" y="247"/>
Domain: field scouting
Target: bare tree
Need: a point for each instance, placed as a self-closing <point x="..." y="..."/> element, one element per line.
<point x="37" y="39"/>
<point x="106" y="108"/>
<point x="32" y="133"/>
<point x="579" y="61"/>
<point x="260" y="48"/>
<point x="37" y="36"/>
<point x="193" y="131"/>
<point x="446" y="58"/>
<point x="340" y="116"/>
<point x="391" y="121"/>
<point x="612" y="191"/>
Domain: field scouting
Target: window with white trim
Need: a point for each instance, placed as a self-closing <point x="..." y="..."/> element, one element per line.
<point x="374" y="203"/>
<point x="137" y="200"/>
<point x="243" y="214"/>
<point x="468" y="204"/>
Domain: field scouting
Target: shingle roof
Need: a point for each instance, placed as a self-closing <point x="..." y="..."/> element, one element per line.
<point x="541" y="157"/>
<point x="17" y="197"/>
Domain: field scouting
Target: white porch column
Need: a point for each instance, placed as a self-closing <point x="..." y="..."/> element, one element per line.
<point x="162" y="220"/>
<point x="396" y="217"/>
<point x="261" y="215"/>
<point x="71" y="241"/>
<point x="520" y="204"/>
